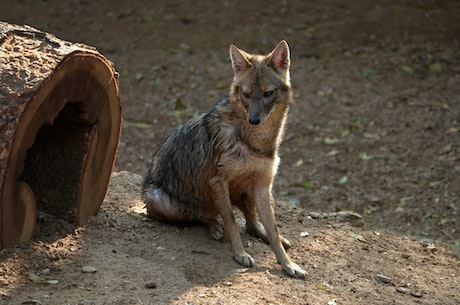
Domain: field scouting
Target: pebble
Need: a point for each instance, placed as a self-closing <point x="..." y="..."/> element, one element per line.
<point x="242" y="270"/>
<point x="304" y="234"/>
<point x="382" y="278"/>
<point x="151" y="285"/>
<point x="401" y="290"/>
<point x="88" y="269"/>
<point x="315" y="215"/>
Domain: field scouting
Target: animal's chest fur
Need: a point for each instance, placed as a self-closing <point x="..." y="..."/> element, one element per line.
<point x="244" y="169"/>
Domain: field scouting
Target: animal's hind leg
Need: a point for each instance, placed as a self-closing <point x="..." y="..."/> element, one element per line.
<point x="254" y="226"/>
<point x="215" y="229"/>
<point x="162" y="207"/>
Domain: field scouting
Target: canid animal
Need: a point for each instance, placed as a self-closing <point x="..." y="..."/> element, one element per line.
<point x="229" y="157"/>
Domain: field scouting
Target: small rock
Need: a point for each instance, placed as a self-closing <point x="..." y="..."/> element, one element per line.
<point x="382" y="278"/>
<point x="401" y="290"/>
<point x="431" y="247"/>
<point x="416" y="294"/>
<point x="304" y="234"/>
<point x="88" y="269"/>
<point x="355" y="219"/>
<point x="242" y="270"/>
<point x="315" y="215"/>
<point x="150" y="285"/>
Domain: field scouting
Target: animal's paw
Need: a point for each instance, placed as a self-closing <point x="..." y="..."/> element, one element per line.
<point x="294" y="270"/>
<point x="245" y="259"/>
<point x="216" y="231"/>
<point x="286" y="243"/>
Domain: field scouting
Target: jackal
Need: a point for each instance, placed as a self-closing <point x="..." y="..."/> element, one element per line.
<point x="229" y="157"/>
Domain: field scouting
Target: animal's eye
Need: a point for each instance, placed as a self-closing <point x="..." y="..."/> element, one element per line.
<point x="268" y="93"/>
<point x="246" y="94"/>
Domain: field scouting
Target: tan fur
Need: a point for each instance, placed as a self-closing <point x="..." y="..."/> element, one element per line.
<point x="229" y="157"/>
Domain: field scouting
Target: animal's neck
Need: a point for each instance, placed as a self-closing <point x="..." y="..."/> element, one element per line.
<point x="266" y="137"/>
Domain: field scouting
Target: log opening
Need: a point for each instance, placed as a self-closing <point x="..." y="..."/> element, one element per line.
<point x="54" y="163"/>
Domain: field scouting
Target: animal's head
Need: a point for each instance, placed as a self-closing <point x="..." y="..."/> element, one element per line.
<point x="261" y="82"/>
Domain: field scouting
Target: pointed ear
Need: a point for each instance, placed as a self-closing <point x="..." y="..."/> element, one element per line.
<point x="280" y="57"/>
<point x="239" y="60"/>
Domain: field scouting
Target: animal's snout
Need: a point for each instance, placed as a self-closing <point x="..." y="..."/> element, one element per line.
<point x="254" y="113"/>
<point x="254" y="120"/>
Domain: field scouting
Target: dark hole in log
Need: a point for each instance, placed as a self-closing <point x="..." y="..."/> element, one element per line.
<point x="53" y="167"/>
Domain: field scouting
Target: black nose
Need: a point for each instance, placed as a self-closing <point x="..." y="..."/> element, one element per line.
<point x="254" y="121"/>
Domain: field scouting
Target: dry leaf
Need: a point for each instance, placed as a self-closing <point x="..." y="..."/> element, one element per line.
<point x="357" y="237"/>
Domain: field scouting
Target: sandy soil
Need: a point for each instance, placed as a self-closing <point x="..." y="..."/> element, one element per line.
<point x="375" y="130"/>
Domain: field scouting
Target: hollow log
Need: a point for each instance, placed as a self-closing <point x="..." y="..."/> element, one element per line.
<point x="60" y="123"/>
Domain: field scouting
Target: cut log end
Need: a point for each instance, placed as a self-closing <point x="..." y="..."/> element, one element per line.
<point x="59" y="138"/>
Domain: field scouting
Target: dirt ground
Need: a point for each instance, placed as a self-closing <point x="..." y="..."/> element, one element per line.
<point x="375" y="130"/>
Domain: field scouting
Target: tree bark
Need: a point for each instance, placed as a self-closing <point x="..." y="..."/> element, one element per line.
<point x="60" y="123"/>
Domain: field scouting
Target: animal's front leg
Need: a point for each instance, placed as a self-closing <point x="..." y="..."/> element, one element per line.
<point x="265" y="207"/>
<point x="221" y="198"/>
